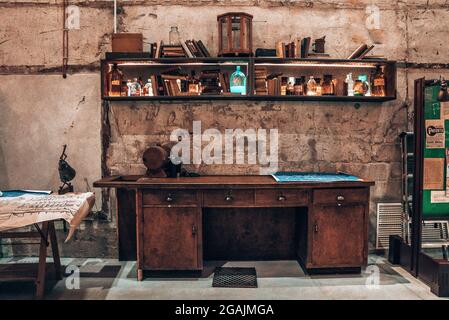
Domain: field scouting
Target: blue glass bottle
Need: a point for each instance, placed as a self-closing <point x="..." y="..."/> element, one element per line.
<point x="238" y="82"/>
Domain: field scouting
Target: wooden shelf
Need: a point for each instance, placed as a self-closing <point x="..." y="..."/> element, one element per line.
<point x="134" y="64"/>
<point x="253" y="98"/>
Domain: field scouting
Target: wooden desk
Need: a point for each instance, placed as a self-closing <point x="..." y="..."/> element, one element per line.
<point x="171" y="224"/>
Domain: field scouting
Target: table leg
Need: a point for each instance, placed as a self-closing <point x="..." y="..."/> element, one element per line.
<point x="55" y="250"/>
<point x="40" y="281"/>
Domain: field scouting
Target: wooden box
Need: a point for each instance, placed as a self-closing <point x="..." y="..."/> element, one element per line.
<point x="127" y="42"/>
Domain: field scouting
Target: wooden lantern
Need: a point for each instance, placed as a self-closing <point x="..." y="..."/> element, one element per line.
<point x="235" y="34"/>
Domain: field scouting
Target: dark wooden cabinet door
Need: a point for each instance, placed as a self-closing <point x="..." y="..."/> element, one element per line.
<point x="338" y="236"/>
<point x="172" y="238"/>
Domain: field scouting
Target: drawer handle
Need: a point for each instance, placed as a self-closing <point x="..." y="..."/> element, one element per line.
<point x="193" y="230"/>
<point x="169" y="198"/>
<point x="282" y="198"/>
<point x="340" y="199"/>
<point x="228" y="198"/>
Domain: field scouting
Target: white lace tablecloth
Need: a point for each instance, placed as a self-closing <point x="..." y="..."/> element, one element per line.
<point x="25" y="210"/>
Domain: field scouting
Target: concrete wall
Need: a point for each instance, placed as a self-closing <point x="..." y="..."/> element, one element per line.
<point x="40" y="111"/>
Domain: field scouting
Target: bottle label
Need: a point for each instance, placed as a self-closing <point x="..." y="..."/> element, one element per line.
<point x="379" y="82"/>
<point x="115" y="82"/>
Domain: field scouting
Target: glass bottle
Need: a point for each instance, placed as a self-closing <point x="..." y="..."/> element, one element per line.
<point x="140" y="81"/>
<point x="238" y="82"/>
<point x="359" y="88"/>
<point x="349" y="85"/>
<point x="115" y="77"/>
<point x="311" y="87"/>
<point x="379" y="82"/>
<point x="365" y="85"/>
<point x="194" y="87"/>
<point x="135" y="88"/>
<point x="319" y="87"/>
<point x="328" y="87"/>
<point x="148" y="89"/>
<point x="283" y="89"/>
<point x="129" y="84"/>
<point x="290" y="90"/>
<point x="124" y="90"/>
<point x="298" y="88"/>
<point x="173" y="36"/>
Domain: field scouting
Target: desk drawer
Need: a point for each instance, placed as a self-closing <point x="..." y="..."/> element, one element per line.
<point x="170" y="197"/>
<point x="229" y="198"/>
<point x="281" y="197"/>
<point x="340" y="197"/>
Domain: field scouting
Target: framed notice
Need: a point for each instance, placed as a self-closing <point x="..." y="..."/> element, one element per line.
<point x="435" y="136"/>
<point x="444" y="110"/>
<point x="433" y="174"/>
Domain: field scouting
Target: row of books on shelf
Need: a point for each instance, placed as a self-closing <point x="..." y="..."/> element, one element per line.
<point x="186" y="49"/>
<point x="300" y="48"/>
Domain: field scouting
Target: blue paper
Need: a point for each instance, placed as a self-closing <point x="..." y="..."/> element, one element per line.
<point x="313" y="177"/>
<point x="18" y="193"/>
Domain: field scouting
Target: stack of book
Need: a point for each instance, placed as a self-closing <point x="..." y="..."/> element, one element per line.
<point x="260" y="74"/>
<point x="173" y="51"/>
<point x="195" y="49"/>
<point x="189" y="48"/>
<point x="210" y="82"/>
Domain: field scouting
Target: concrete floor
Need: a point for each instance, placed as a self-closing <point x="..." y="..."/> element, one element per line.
<point x="110" y="279"/>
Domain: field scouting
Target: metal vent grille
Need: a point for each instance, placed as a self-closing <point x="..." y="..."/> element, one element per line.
<point x="389" y="222"/>
<point x="434" y="233"/>
<point x="235" y="278"/>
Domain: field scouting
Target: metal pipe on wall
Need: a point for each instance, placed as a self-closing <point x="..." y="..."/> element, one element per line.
<point x="65" y="40"/>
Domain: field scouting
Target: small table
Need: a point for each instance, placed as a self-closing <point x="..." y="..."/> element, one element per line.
<point x="47" y="236"/>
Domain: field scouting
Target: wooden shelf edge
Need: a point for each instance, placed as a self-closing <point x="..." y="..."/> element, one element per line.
<point x="254" y="98"/>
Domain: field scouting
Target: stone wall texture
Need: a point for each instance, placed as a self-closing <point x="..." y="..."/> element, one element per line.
<point x="40" y="111"/>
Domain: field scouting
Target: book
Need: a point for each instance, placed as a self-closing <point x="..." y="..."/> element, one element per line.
<point x="297" y="50"/>
<point x="187" y="50"/>
<point x="260" y="52"/>
<point x="203" y="48"/>
<point x="319" y="55"/>
<point x="224" y="82"/>
<point x="364" y="53"/>
<point x="198" y="49"/>
<point x="260" y="74"/>
<point x="305" y="47"/>
<point x="357" y="52"/>
<point x="158" y="49"/>
<point x="155" y="85"/>
<point x="280" y="49"/>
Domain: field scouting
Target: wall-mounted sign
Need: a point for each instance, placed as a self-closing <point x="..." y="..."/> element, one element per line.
<point x="435" y="136"/>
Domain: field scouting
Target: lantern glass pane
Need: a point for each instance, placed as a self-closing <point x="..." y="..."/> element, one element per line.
<point x="247" y="33"/>
<point x="236" y="32"/>
<point x="224" y="34"/>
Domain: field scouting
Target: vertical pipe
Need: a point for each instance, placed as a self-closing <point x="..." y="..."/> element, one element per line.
<point x="65" y="40"/>
<point x="115" y="16"/>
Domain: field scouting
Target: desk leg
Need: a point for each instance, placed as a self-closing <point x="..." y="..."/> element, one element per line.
<point x="139" y="274"/>
<point x="55" y="250"/>
<point x="40" y="281"/>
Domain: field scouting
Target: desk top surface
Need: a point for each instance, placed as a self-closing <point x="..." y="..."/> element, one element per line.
<point x="205" y="182"/>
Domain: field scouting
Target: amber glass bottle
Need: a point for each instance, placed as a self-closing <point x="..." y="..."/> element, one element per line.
<point x="115" y="78"/>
